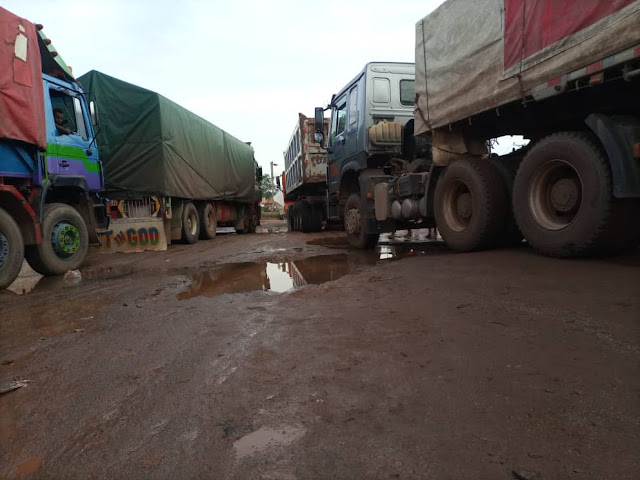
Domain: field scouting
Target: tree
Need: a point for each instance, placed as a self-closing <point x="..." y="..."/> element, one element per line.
<point x="267" y="187"/>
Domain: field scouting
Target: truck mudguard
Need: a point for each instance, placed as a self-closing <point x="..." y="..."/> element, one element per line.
<point x="618" y="133"/>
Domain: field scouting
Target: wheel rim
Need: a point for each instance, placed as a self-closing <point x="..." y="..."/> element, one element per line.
<point x="192" y="225"/>
<point x="457" y="206"/>
<point x="65" y="239"/>
<point x="555" y="195"/>
<point x="4" y="248"/>
<point x="352" y="220"/>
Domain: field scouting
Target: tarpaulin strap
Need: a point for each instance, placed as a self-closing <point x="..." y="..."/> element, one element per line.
<point x="426" y="81"/>
<point x="518" y="75"/>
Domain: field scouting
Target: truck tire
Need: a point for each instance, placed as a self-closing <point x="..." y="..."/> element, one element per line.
<point x="305" y="211"/>
<point x="354" y="224"/>
<point x="208" y="221"/>
<point x="316" y="218"/>
<point x="253" y="221"/>
<point x="507" y="168"/>
<point x="11" y="249"/>
<point x="471" y="205"/>
<point x="290" y="212"/>
<point x="563" y="199"/>
<point x="248" y="226"/>
<point x="65" y="241"/>
<point x="190" y="223"/>
<point x="296" y="218"/>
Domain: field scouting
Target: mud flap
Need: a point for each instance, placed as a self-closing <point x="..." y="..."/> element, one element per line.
<point x="133" y="235"/>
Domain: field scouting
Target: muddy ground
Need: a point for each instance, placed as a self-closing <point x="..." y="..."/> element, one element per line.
<point x="288" y="356"/>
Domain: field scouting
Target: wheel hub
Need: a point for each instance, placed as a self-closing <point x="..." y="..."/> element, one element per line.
<point x="564" y="194"/>
<point x="464" y="206"/>
<point x="457" y="206"/>
<point x="352" y="221"/>
<point x="4" y="248"/>
<point x="191" y="224"/>
<point x="65" y="239"/>
<point x="555" y="195"/>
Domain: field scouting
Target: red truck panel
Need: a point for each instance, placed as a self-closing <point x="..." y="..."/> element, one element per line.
<point x="476" y="56"/>
<point x="21" y="93"/>
<point x="546" y="22"/>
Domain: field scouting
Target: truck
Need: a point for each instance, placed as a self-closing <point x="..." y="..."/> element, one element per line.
<point x="304" y="181"/>
<point x="562" y="74"/>
<point x="50" y="172"/>
<point x="169" y="174"/>
<point x="371" y="142"/>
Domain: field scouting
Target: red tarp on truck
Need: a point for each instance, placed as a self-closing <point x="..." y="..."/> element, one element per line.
<point x="21" y="93"/>
<point x="475" y="56"/>
<point x="546" y="22"/>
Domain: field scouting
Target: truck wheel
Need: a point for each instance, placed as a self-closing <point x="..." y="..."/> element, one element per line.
<point x="305" y="212"/>
<point x="354" y="224"/>
<point x="253" y="221"/>
<point x="471" y="205"/>
<point x="316" y="218"/>
<point x="290" y="213"/>
<point x="296" y="217"/>
<point x="208" y="221"/>
<point x="507" y="169"/>
<point x="65" y="241"/>
<point x="563" y="198"/>
<point x="11" y="249"/>
<point x="190" y="223"/>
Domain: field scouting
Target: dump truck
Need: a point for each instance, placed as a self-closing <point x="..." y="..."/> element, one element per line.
<point x="304" y="181"/>
<point x="50" y="172"/>
<point x="371" y="142"/>
<point x="565" y="75"/>
<point x="169" y="174"/>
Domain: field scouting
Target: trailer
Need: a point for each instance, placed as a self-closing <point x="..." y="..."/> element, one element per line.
<point x="169" y="174"/>
<point x="304" y="181"/>
<point x="565" y="75"/>
<point x="50" y="172"/>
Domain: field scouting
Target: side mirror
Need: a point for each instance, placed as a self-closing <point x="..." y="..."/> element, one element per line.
<point x="93" y="112"/>
<point x="259" y="173"/>
<point x="319" y="122"/>
<point x="278" y="183"/>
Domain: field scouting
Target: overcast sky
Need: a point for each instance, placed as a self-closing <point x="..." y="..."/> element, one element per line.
<point x="248" y="66"/>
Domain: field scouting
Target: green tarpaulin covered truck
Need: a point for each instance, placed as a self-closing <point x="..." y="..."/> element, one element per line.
<point x="166" y="164"/>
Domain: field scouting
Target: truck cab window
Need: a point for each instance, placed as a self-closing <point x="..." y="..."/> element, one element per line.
<point x="68" y="117"/>
<point x="381" y="90"/>
<point x="341" y="115"/>
<point x="353" y="106"/>
<point x="407" y="92"/>
<point x="339" y="122"/>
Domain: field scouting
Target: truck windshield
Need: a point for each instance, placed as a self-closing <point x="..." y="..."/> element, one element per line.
<point x="68" y="113"/>
<point x="407" y="92"/>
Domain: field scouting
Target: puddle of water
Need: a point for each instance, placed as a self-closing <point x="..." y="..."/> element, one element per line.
<point x="270" y="276"/>
<point x="30" y="281"/>
<point x="289" y="275"/>
<point x="263" y="438"/>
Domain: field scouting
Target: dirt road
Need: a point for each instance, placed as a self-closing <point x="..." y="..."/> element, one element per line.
<point x="287" y="356"/>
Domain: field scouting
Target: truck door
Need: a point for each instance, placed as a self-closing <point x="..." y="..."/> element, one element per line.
<point x="337" y="151"/>
<point x="352" y="124"/>
<point x="68" y="151"/>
